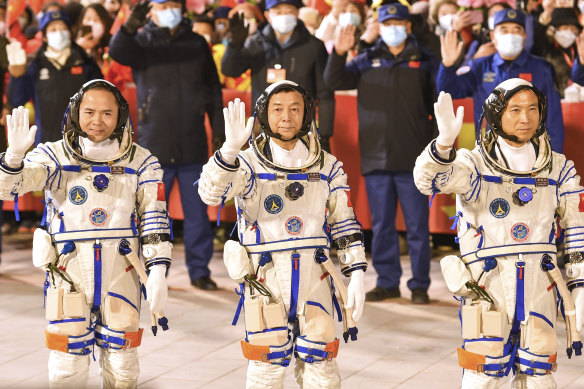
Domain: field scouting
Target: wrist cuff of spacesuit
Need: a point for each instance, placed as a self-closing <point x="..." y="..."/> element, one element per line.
<point x="7" y="168"/>
<point x="436" y="156"/>
<point x="347" y="270"/>
<point x="158" y="261"/>
<point x="224" y="165"/>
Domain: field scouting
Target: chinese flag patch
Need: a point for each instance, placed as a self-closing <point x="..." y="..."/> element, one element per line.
<point x="581" y="205"/>
<point x="414" y="64"/>
<point x="349" y="204"/>
<point x="161" y="196"/>
<point x="77" y="70"/>
<point x="525" y="76"/>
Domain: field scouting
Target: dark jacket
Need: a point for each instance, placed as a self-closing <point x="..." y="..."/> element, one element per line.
<point x="487" y="72"/>
<point x="177" y="83"/>
<point x="51" y="88"/>
<point x="303" y="56"/>
<point x="395" y="97"/>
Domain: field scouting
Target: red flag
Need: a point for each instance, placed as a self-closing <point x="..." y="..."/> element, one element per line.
<point x="123" y="15"/>
<point x="13" y="11"/>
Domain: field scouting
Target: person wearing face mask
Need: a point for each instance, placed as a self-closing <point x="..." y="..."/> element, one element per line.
<point x="560" y="46"/>
<point x="282" y="49"/>
<point x="510" y="61"/>
<point x="578" y="67"/>
<point x="252" y="17"/>
<point x="395" y="92"/>
<point x="93" y="31"/>
<point x="59" y="68"/>
<point x="177" y="84"/>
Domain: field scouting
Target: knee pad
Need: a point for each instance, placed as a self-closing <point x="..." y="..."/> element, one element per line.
<point x="120" y="368"/>
<point x="67" y="371"/>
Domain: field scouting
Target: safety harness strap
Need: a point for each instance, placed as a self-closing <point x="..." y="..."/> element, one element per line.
<point x="66" y="344"/>
<point x="477" y="362"/>
<point x="330" y="351"/>
<point x="122" y="339"/>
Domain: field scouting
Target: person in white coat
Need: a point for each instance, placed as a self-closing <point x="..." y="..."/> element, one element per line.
<point x="104" y="196"/>
<point x="293" y="204"/>
<point x="513" y="196"/>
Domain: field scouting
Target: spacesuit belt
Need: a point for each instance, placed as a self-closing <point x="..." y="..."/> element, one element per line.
<point x="101" y="234"/>
<point x="477" y="362"/>
<point x="262" y="353"/>
<point x="289" y="244"/>
<point x="507" y="250"/>
<point x="533" y="364"/>
<point x="108" y="338"/>
<point x="68" y="344"/>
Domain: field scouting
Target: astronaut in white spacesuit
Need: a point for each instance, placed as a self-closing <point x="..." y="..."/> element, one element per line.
<point x="293" y="203"/>
<point x="104" y="197"/>
<point x="513" y="194"/>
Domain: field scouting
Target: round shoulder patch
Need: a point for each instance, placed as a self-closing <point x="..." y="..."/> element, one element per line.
<point x="294" y="225"/>
<point x="499" y="208"/>
<point x="98" y="217"/>
<point x="273" y="204"/>
<point x="519" y="232"/>
<point x="78" y="195"/>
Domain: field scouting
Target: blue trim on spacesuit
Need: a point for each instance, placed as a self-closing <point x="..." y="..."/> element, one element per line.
<point x="295" y="286"/>
<point x="119" y="296"/>
<point x="541" y="317"/>
<point x="97" y="263"/>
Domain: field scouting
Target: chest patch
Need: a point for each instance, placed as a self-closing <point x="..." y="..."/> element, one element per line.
<point x="294" y="225"/>
<point x="273" y="204"/>
<point x="78" y="195"/>
<point x="489" y="77"/>
<point x="519" y="232"/>
<point x="499" y="208"/>
<point x="98" y="217"/>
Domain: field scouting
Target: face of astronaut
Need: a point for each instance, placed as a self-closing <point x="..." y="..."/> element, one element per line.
<point x="285" y="116"/>
<point x="521" y="117"/>
<point x="98" y="114"/>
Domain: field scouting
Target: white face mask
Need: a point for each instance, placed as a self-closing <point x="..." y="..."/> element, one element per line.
<point x="348" y="18"/>
<point x="393" y="35"/>
<point x="565" y="38"/>
<point x="283" y="24"/>
<point x="59" y="40"/>
<point x="509" y="45"/>
<point x="445" y="22"/>
<point x="169" y="18"/>
<point x="581" y="7"/>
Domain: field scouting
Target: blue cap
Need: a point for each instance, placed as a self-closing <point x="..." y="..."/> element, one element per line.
<point x="393" y="11"/>
<point x="221" y="13"/>
<point x="272" y="3"/>
<point x="510" y="16"/>
<point x="52" y="16"/>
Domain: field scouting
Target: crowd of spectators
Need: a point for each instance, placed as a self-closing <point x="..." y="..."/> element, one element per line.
<point x="179" y="54"/>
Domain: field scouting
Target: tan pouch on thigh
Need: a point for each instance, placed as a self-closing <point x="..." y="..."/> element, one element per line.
<point x="119" y="315"/>
<point x="490" y="348"/>
<point x="73" y="303"/>
<point x="54" y="304"/>
<point x="541" y="337"/>
<point x="319" y="326"/>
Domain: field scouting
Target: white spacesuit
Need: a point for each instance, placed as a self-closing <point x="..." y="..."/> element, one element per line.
<point x="511" y="202"/>
<point x="104" y="199"/>
<point x="292" y="205"/>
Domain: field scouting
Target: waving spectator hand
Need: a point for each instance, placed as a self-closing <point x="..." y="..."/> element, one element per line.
<point x="236" y="132"/>
<point x="138" y="17"/>
<point x="371" y="31"/>
<point x="345" y="39"/>
<point x="460" y="20"/>
<point x="449" y="125"/>
<point x="20" y="136"/>
<point x="16" y="59"/>
<point x="450" y="48"/>
<point x="239" y="30"/>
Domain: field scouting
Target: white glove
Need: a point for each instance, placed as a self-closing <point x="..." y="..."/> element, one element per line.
<point x="156" y="288"/>
<point x="449" y="125"/>
<point x="209" y="192"/>
<point x="578" y="297"/>
<point x="20" y="137"/>
<point x="16" y="54"/>
<point x="356" y="293"/>
<point x="236" y="132"/>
